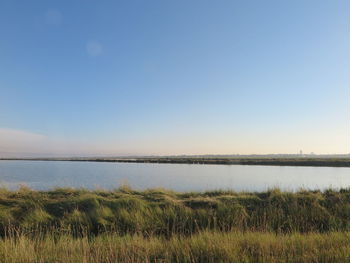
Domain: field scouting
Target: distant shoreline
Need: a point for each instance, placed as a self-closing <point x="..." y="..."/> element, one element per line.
<point x="265" y="161"/>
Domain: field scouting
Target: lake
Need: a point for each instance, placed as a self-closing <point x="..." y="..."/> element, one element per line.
<point x="42" y="175"/>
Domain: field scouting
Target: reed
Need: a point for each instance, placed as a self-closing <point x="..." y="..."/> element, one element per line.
<point x="205" y="246"/>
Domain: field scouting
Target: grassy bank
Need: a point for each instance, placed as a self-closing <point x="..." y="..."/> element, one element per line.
<point x="165" y="213"/>
<point x="77" y="225"/>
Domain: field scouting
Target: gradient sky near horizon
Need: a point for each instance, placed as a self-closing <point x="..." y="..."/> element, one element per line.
<point x="165" y="77"/>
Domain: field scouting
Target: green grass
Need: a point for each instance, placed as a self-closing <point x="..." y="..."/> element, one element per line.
<point x="165" y="213"/>
<point x="125" y="225"/>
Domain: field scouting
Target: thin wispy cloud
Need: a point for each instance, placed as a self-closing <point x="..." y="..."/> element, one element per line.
<point x="23" y="143"/>
<point x="53" y="17"/>
<point x="94" y="48"/>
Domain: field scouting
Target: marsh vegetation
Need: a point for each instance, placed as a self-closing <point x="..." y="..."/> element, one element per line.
<point x="292" y="160"/>
<point x="124" y="225"/>
<point x="252" y="247"/>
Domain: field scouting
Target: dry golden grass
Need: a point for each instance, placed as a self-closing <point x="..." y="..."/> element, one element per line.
<point x="251" y="247"/>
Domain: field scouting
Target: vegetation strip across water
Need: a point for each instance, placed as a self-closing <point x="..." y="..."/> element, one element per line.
<point x="273" y="161"/>
<point x="124" y="225"/>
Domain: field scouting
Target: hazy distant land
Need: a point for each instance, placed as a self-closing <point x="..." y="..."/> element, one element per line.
<point x="338" y="160"/>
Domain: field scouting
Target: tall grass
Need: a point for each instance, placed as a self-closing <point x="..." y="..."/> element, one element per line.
<point x="230" y="247"/>
<point x="124" y="225"/>
<point x="165" y="213"/>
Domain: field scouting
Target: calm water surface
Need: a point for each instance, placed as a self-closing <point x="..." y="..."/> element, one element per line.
<point x="180" y="177"/>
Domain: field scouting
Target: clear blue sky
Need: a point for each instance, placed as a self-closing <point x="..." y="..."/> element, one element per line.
<point x="173" y="77"/>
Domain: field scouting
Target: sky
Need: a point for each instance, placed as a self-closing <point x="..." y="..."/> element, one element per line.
<point x="162" y="77"/>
